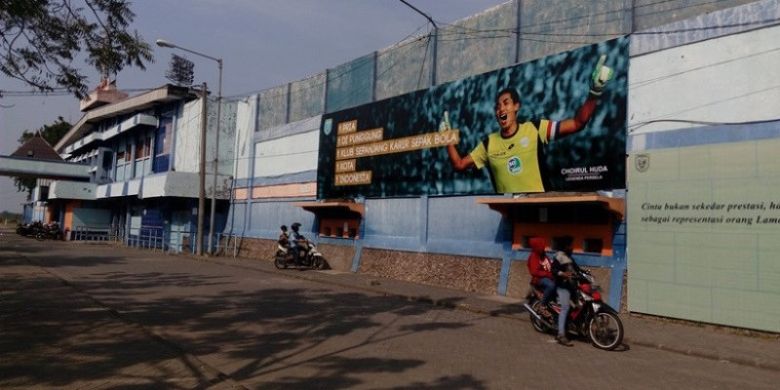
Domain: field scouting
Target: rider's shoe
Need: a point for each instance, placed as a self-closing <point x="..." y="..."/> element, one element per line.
<point x="562" y="340"/>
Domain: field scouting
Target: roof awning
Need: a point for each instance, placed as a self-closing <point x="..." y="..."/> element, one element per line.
<point x="342" y="207"/>
<point x="614" y="205"/>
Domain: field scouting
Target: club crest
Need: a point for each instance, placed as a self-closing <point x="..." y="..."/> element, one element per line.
<point x="642" y="162"/>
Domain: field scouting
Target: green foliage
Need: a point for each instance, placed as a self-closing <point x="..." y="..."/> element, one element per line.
<point x="52" y="134"/>
<point x="10" y="217"/>
<point x="41" y="38"/>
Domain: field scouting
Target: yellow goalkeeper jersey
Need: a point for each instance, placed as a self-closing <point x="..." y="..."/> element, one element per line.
<point x="514" y="161"/>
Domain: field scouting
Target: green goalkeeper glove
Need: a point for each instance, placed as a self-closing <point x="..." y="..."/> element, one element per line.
<point x="445" y="122"/>
<point x="600" y="76"/>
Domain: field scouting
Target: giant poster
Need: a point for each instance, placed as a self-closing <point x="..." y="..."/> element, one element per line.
<point x="552" y="124"/>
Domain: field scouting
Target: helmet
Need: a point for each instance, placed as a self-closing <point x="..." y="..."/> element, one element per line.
<point x="283" y="227"/>
<point x="295" y="226"/>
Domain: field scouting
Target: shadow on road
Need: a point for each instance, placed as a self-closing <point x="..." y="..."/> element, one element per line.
<point x="280" y="336"/>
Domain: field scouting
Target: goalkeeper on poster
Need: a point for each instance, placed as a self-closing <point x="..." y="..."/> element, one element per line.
<point x="513" y="154"/>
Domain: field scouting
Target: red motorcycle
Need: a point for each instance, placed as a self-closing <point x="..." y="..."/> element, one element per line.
<point x="589" y="316"/>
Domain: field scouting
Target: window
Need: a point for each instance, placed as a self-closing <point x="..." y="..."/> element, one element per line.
<point x="593" y="245"/>
<point x="339" y="227"/>
<point x="142" y="147"/>
<point x="108" y="158"/>
<point x="163" y="137"/>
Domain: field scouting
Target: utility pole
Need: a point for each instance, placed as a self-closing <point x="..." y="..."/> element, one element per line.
<point x="202" y="169"/>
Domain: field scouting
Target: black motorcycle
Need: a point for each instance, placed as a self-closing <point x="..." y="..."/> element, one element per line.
<point x="50" y="232"/>
<point x="589" y="316"/>
<point x="308" y="257"/>
<point x="29" y="229"/>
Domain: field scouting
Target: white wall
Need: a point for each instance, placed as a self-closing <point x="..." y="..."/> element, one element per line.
<point x="730" y="79"/>
<point x="293" y="154"/>
<point x="188" y="138"/>
<point x="245" y="127"/>
<point x="703" y="209"/>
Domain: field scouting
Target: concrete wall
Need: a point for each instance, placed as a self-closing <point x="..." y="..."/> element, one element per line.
<point x="187" y="155"/>
<point x="187" y="152"/>
<point x="447" y="233"/>
<point x="292" y="154"/>
<point x="62" y="189"/>
<point x="703" y="173"/>
<point x="246" y="112"/>
<point x="718" y="80"/>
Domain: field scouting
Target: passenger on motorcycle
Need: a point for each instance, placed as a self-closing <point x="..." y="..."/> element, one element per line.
<point x="540" y="268"/>
<point x="297" y="242"/>
<point x="284" y="237"/>
<point x="564" y="268"/>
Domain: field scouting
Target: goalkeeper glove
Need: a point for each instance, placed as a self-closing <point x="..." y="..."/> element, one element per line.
<point x="445" y="122"/>
<point x="600" y="76"/>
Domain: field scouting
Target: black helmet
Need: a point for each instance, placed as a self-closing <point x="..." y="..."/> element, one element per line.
<point x="283" y="227"/>
<point x="295" y="226"/>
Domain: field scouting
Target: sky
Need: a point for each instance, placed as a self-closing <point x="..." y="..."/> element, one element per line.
<point x="263" y="43"/>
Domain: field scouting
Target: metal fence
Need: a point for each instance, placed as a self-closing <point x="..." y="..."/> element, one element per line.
<point x="146" y="237"/>
<point x="228" y="244"/>
<point x="97" y="233"/>
<point x="158" y="238"/>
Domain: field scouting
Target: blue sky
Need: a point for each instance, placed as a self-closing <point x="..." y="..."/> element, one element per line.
<point x="263" y="43"/>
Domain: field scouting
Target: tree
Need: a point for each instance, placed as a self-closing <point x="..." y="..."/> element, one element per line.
<point x="181" y="71"/>
<point x="39" y="40"/>
<point x="52" y="134"/>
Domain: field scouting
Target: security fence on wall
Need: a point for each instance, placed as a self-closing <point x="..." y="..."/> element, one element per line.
<point x="513" y="32"/>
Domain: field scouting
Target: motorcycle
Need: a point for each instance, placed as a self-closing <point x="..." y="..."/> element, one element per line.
<point x="309" y="257"/>
<point x="51" y="232"/>
<point x="589" y="316"/>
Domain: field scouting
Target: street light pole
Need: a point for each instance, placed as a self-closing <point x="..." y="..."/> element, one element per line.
<point x="164" y="43"/>
<point x="216" y="159"/>
<point x="202" y="170"/>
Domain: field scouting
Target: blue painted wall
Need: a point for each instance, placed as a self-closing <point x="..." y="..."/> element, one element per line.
<point x="267" y="216"/>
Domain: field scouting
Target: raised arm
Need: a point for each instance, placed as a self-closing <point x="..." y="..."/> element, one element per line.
<point x="599" y="78"/>
<point x="584" y="113"/>
<point x="459" y="163"/>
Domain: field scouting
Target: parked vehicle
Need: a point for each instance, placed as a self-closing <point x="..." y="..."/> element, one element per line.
<point x="29" y="229"/>
<point x="589" y="316"/>
<point x="40" y="231"/>
<point x="309" y="257"/>
<point x="51" y="232"/>
<point x="23" y="229"/>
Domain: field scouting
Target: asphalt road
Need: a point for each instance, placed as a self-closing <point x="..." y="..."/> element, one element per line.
<point x="95" y="316"/>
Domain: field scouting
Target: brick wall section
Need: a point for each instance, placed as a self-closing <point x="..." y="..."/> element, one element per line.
<point x="338" y="257"/>
<point x="257" y="248"/>
<point x="464" y="273"/>
<point x="519" y="279"/>
<point x="624" y="294"/>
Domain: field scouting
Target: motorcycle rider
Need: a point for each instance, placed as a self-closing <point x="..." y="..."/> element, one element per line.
<point x="297" y="242"/>
<point x="284" y="237"/>
<point x="564" y="268"/>
<point x="540" y="268"/>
